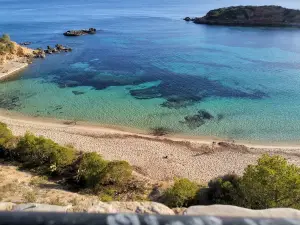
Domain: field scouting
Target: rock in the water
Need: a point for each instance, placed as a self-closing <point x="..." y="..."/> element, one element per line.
<point x="39" y="53"/>
<point x="142" y="207"/>
<point x="197" y="120"/>
<point x="78" y="92"/>
<point x="26" y="43"/>
<point x="6" y="206"/>
<point x="187" y="18"/>
<point x="251" y="16"/>
<point x="34" y="207"/>
<point x="234" y="211"/>
<point x="80" y="32"/>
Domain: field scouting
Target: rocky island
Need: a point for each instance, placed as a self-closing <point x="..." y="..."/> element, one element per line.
<point x="80" y="32"/>
<point x="250" y="16"/>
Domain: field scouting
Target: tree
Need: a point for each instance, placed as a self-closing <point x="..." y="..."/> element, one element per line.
<point x="5" y="136"/>
<point x="271" y="183"/>
<point x="181" y="194"/>
<point x="224" y="189"/>
<point x="116" y="173"/>
<point x="43" y="153"/>
<point x="90" y="169"/>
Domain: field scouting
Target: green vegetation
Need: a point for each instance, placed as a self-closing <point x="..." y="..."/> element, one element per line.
<point x="271" y="183"/>
<point x="44" y="154"/>
<point x="223" y="190"/>
<point x="6" y="46"/>
<point x="5" y="136"/>
<point x="181" y="194"/>
<point x="116" y="173"/>
<point x="90" y="169"/>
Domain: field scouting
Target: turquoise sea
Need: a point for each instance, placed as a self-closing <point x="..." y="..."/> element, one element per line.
<point x="148" y="68"/>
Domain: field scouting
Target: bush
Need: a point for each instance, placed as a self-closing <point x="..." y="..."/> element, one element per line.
<point x="90" y="169"/>
<point x="223" y="190"/>
<point x="5" y="38"/>
<point x="43" y="153"/>
<point x="271" y="183"/>
<point x="116" y="173"/>
<point x="6" y="45"/>
<point x="6" y="136"/>
<point x="181" y="194"/>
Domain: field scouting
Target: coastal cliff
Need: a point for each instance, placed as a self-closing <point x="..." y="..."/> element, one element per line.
<point x="250" y="16"/>
<point x="13" y="57"/>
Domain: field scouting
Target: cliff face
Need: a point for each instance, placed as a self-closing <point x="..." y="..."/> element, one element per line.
<point x="251" y="16"/>
<point x="16" y="52"/>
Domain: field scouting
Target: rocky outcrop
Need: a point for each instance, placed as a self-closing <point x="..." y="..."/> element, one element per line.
<point x="57" y="49"/>
<point x="34" y="207"/>
<point x="234" y="211"/>
<point x="155" y="208"/>
<point x="80" y="32"/>
<point x="250" y="16"/>
<point x="6" y="206"/>
<point x="40" y="53"/>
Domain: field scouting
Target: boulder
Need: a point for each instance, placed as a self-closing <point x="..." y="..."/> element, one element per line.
<point x="234" y="211"/>
<point x="102" y="207"/>
<point x="34" y="207"/>
<point x="39" y="53"/>
<point x="142" y="208"/>
<point x="6" y="206"/>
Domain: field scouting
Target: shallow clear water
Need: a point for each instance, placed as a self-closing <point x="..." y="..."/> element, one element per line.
<point x="147" y="68"/>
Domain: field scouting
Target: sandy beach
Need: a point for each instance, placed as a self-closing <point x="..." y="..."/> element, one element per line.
<point x="159" y="158"/>
<point x="12" y="66"/>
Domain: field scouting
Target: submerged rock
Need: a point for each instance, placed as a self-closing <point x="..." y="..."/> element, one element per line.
<point x="78" y="92"/>
<point x="80" y="32"/>
<point x="197" y="120"/>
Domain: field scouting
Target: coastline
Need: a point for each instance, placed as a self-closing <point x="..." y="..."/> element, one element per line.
<point x="158" y="158"/>
<point x="123" y="130"/>
<point x="11" y="67"/>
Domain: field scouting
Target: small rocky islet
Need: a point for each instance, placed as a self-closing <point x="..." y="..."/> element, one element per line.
<point x="75" y="33"/>
<point x="40" y="53"/>
<point x="273" y="16"/>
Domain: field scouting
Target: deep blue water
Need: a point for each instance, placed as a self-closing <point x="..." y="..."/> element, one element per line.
<point x="147" y="68"/>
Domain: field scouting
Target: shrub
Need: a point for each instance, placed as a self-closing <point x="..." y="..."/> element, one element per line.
<point x="30" y="197"/>
<point x="116" y="173"/>
<point x="181" y="194"/>
<point x="271" y="183"/>
<point x="5" y="38"/>
<point x="6" y="45"/>
<point x="90" y="169"/>
<point x="223" y="190"/>
<point x="44" y="153"/>
<point x="5" y="136"/>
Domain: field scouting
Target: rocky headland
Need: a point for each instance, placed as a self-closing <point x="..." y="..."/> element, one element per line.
<point x="14" y="57"/>
<point x="276" y="16"/>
